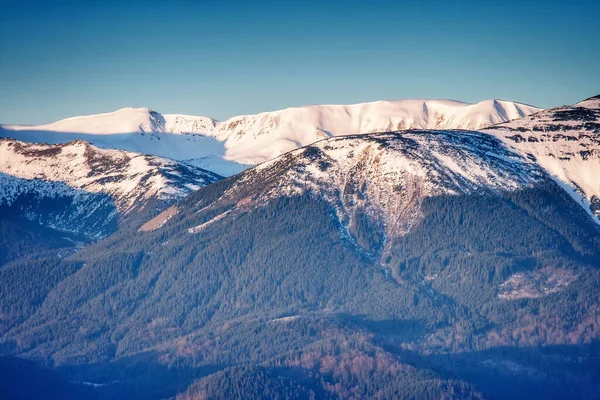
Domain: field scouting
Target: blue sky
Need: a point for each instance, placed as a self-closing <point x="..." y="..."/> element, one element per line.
<point x="224" y="58"/>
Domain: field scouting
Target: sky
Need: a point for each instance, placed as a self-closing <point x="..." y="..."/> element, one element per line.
<point x="224" y="58"/>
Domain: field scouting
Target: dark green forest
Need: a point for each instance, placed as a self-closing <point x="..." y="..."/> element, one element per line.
<point x="274" y="301"/>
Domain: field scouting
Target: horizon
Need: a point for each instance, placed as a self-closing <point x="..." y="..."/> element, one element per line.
<point x="69" y="58"/>
<point x="273" y="111"/>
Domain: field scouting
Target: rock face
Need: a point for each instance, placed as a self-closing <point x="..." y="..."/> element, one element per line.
<point x="78" y="188"/>
<point x="566" y="142"/>
<point x="228" y="147"/>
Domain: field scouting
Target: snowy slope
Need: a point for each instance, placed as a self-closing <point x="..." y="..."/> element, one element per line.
<point x="566" y="142"/>
<point x="78" y="187"/>
<point x="125" y="120"/>
<point x="384" y="176"/>
<point x="230" y="146"/>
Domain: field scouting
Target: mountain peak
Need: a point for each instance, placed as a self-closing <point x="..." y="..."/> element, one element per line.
<point x="124" y="120"/>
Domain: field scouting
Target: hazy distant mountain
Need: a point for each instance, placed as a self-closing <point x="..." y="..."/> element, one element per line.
<point x="229" y="146"/>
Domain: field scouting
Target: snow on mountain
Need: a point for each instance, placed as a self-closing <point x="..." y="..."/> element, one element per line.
<point x="125" y="120"/>
<point x="566" y="142"/>
<point x="230" y="146"/>
<point x="384" y="176"/>
<point x="88" y="188"/>
<point x="253" y="139"/>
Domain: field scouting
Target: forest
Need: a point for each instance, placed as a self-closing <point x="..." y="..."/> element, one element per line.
<point x="276" y="299"/>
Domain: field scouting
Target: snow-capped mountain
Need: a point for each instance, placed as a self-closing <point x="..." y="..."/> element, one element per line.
<point x="353" y="238"/>
<point x="384" y="177"/>
<point x="566" y="142"/>
<point x="125" y="120"/>
<point x="77" y="187"/>
<point x="230" y="146"/>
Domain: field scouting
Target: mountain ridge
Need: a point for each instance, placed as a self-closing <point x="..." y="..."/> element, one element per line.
<point x="80" y="188"/>
<point x="565" y="141"/>
<point x="227" y="147"/>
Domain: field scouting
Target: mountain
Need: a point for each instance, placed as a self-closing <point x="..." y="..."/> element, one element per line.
<point x="415" y="264"/>
<point x="80" y="189"/>
<point x="230" y="146"/>
<point x="252" y="139"/>
<point x="384" y="178"/>
<point x="566" y="142"/>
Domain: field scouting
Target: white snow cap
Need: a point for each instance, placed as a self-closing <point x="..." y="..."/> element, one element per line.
<point x="230" y="146"/>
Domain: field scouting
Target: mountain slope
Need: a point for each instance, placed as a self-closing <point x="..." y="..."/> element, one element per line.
<point x="566" y="142"/>
<point x="125" y="120"/>
<point x="78" y="188"/>
<point x="360" y="265"/>
<point x="229" y="146"/>
<point x="387" y="176"/>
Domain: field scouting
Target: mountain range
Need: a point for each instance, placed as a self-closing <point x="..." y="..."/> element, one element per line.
<point x="434" y="259"/>
<point x="230" y="146"/>
<point x="565" y="141"/>
<point x="80" y="193"/>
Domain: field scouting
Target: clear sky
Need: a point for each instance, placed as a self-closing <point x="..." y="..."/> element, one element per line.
<point x="224" y="58"/>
